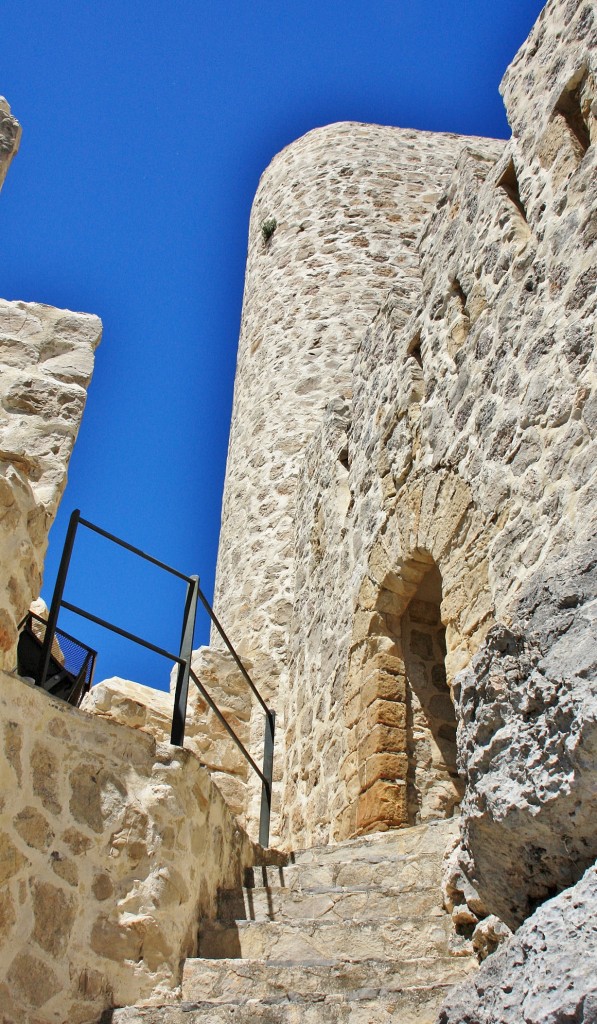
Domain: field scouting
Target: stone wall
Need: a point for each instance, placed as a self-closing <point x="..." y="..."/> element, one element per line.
<point x="408" y="543"/>
<point x="346" y="200"/>
<point x="468" y="445"/>
<point x="332" y="227"/>
<point x="141" y="707"/>
<point x="527" y="705"/>
<point x="46" y="361"/>
<point x="111" y="848"/>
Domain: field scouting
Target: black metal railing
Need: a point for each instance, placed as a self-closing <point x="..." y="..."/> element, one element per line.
<point x="182" y="659"/>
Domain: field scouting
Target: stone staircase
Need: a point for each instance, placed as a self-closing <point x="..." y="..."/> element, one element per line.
<point x="352" y="933"/>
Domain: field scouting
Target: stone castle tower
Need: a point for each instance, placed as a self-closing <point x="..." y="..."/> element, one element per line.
<point x="407" y="567"/>
<point x="348" y="202"/>
<point x="394" y="399"/>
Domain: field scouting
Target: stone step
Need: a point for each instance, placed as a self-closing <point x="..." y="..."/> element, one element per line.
<point x="240" y="980"/>
<point x="427" y="840"/>
<point x="411" y="1006"/>
<point x="375" y="870"/>
<point x="283" y="904"/>
<point x="315" y="940"/>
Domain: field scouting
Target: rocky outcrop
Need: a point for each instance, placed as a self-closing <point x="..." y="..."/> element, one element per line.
<point x="528" y="749"/>
<point x="544" y="974"/>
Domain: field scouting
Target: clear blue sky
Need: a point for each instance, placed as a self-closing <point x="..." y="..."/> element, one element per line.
<point x="146" y="127"/>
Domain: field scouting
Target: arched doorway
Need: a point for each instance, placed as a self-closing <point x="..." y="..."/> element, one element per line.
<point x="404" y="739"/>
<point x="422" y="610"/>
<point x="433" y="786"/>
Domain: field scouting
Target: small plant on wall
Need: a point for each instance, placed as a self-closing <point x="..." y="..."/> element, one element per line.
<point x="268" y="227"/>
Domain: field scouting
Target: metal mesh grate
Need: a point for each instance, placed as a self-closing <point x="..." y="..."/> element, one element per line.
<point x="70" y="653"/>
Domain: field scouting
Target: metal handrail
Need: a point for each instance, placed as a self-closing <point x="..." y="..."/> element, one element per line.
<point x="171" y="657"/>
<point x="239" y="663"/>
<point x="214" y="707"/>
<point x="130" y="547"/>
<point x="122" y="632"/>
<point x="183" y="659"/>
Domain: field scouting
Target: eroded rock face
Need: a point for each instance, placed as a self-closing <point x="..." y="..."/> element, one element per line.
<point x="528" y="754"/>
<point x="528" y="746"/>
<point x="544" y="974"/>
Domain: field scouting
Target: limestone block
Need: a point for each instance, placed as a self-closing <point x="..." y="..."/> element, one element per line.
<point x="54" y="914"/>
<point x="385" y="712"/>
<point x="391" y="767"/>
<point x="32" y="983"/>
<point x="11" y="859"/>
<point x="381" y="806"/>
<point x="381" y="738"/>
<point x="34" y="828"/>
<point x="45" y="776"/>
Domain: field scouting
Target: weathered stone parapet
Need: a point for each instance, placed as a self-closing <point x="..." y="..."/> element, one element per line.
<point x="141" y="707"/>
<point x="10" y="138"/>
<point x="111" y="848"/>
<point x="46" y="360"/>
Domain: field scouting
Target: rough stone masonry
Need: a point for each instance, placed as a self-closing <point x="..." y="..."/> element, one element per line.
<point x="407" y="562"/>
<point x="413" y="447"/>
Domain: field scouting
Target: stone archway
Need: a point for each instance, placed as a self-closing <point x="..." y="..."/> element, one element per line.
<point x="430" y="562"/>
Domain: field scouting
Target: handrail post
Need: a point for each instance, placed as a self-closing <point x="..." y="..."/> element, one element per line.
<point x="46" y="651"/>
<point x="179" y="711"/>
<point x="266" y="786"/>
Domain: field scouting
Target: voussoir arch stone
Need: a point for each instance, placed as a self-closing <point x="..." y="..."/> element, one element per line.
<point x="435" y="520"/>
<point x="434" y="523"/>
